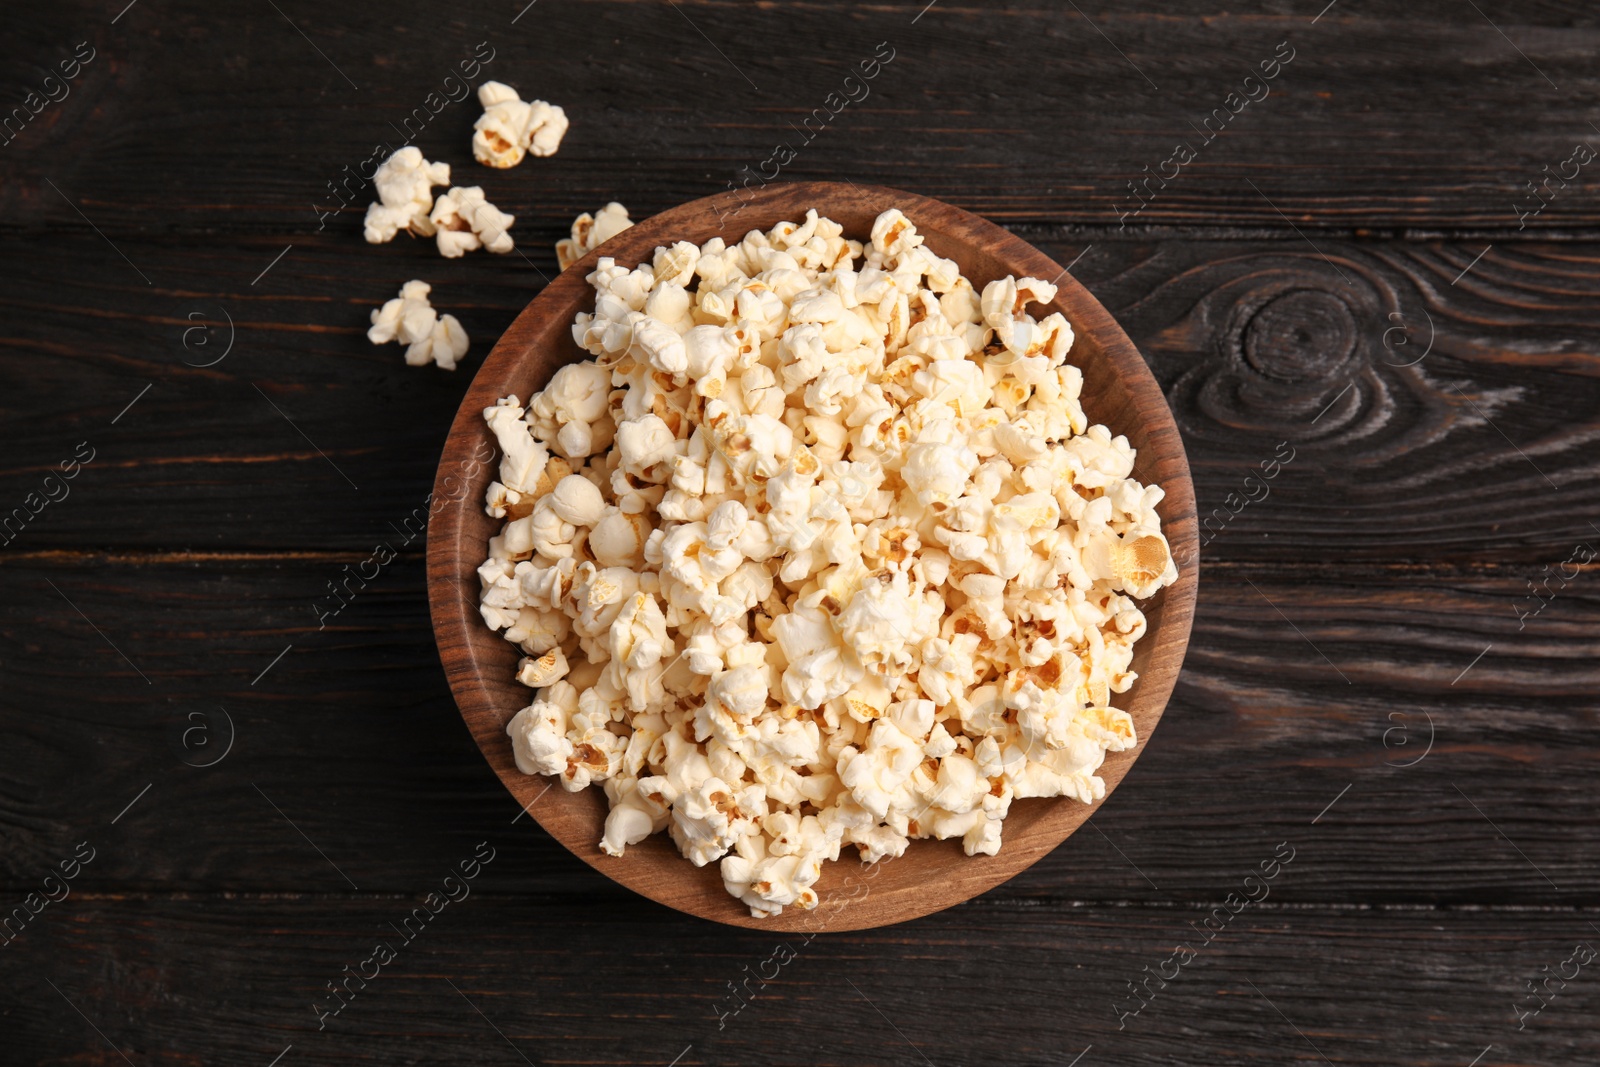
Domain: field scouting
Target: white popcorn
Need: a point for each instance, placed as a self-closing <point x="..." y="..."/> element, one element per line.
<point x="538" y="732"/>
<point x="767" y="881"/>
<point x="522" y="459"/>
<point x="875" y="774"/>
<point x="644" y="443"/>
<point x="660" y="346"/>
<point x="633" y="817"/>
<point x="705" y="821"/>
<point x="939" y="464"/>
<point x="570" y="413"/>
<point x="428" y="336"/>
<point x="818" y="550"/>
<point x="546" y="670"/>
<point x="885" y="622"/>
<point x="466" y="221"/>
<point x="578" y="500"/>
<point x="405" y="184"/>
<point x="591" y="231"/>
<point x="510" y="127"/>
<point x="618" y="538"/>
<point x="407" y="318"/>
<point x="445" y="344"/>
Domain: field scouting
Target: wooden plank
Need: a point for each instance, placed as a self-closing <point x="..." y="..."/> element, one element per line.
<point x="1375" y="400"/>
<point x="194" y="122"/>
<point x="348" y="743"/>
<point x="1478" y="445"/>
<point x="1369" y="679"/>
<point x="240" y="980"/>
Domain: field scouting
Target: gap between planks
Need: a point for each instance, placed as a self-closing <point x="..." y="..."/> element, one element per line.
<point x="994" y="900"/>
<point x="1033" y="230"/>
<point x="160" y="556"/>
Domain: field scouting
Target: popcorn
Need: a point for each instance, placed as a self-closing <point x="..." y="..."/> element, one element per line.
<point x="546" y="670"/>
<point x="444" y="345"/>
<point x="411" y="320"/>
<point x="644" y="443"/>
<point x="618" y="539"/>
<point x="632" y="818"/>
<point x="591" y="231"/>
<point x="510" y="127"/>
<point x="819" y="550"/>
<point x="577" y="500"/>
<point x="570" y="413"/>
<point x="405" y="184"/>
<point x="409" y="317"/>
<point x="522" y="459"/>
<point x="466" y="221"/>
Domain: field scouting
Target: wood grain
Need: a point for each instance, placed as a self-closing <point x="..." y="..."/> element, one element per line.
<point x="1444" y="459"/>
<point x="353" y="735"/>
<point x="1399" y="543"/>
<point x="480" y="666"/>
<point x="1366" y="128"/>
<point x="237" y="980"/>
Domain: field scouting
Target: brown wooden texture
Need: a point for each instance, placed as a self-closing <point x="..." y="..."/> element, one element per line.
<point x="1443" y="458"/>
<point x="489" y="972"/>
<point x="1396" y="550"/>
<point x="1432" y="117"/>
<point x="353" y="734"/>
<point x="1118" y="391"/>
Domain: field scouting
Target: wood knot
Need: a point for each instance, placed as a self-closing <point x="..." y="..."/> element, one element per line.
<point x="1302" y="335"/>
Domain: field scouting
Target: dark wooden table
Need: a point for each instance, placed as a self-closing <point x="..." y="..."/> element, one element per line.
<point x="1379" y="340"/>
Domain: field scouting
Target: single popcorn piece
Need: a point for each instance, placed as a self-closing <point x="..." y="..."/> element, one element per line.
<point x="466" y="221"/>
<point x="817" y="550"/>
<point x="511" y="127"/>
<point x="411" y="320"/>
<point x="591" y="231"/>
<point x="445" y="344"/>
<point x="405" y="184"/>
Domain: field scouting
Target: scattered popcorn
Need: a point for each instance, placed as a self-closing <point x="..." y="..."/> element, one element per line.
<point x="591" y="231"/>
<point x="411" y="320"/>
<point x="818" y="550"/>
<point x="405" y="184"/>
<point x="511" y="127"/>
<point x="467" y="221"/>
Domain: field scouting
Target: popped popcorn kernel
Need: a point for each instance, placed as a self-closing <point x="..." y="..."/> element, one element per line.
<point x="411" y="320"/>
<point x="511" y="127"/>
<point x="591" y="231"/>
<point x="405" y="184"/>
<point x="464" y="220"/>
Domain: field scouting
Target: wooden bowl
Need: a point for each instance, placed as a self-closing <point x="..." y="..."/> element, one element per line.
<point x="1119" y="391"/>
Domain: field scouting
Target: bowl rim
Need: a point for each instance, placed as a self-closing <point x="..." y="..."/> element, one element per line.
<point x="463" y="640"/>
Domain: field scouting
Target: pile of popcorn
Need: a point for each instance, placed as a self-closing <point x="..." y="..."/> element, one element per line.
<point x="818" y="550"/>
